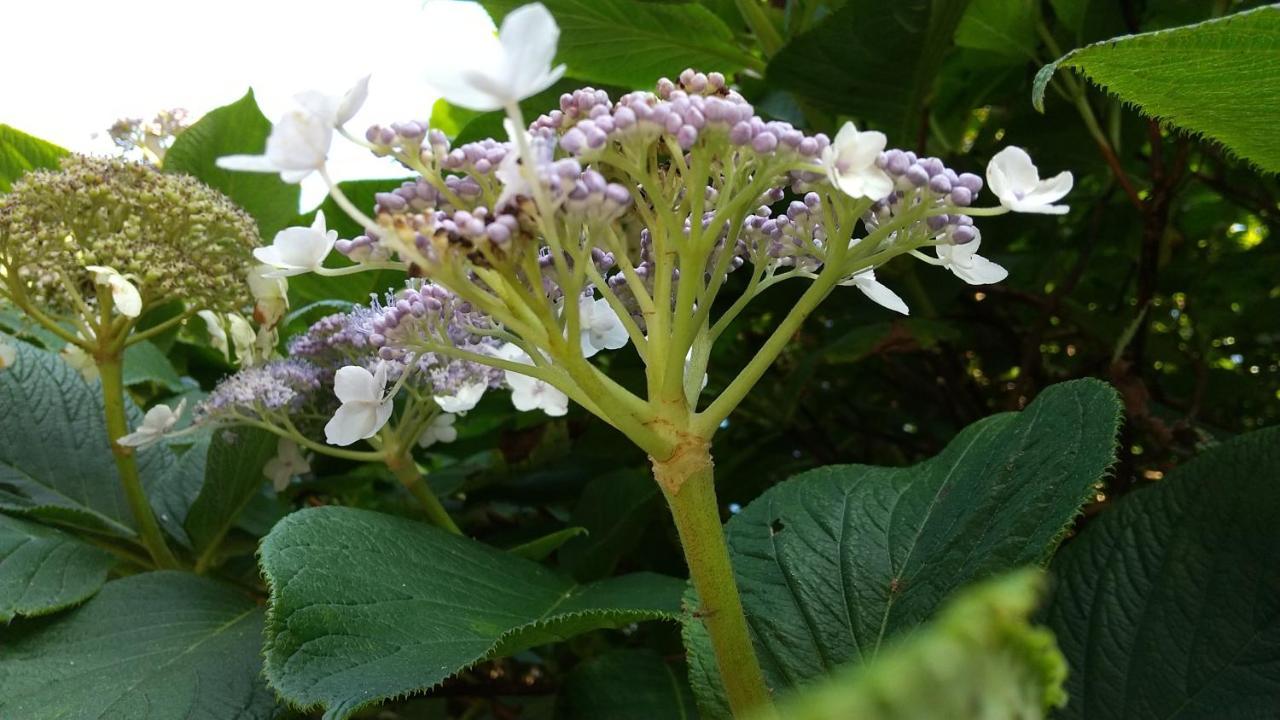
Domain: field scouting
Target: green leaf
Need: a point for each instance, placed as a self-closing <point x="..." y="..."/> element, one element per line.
<point x="1215" y="78"/>
<point x="145" y="363"/>
<point x="232" y="477"/>
<point x="236" y="129"/>
<point x="1168" y="604"/>
<point x="836" y="560"/>
<point x="52" y="423"/>
<point x="873" y="62"/>
<point x="153" y="646"/>
<point x="540" y="548"/>
<point x="21" y="153"/>
<point x="43" y="570"/>
<point x="632" y="44"/>
<point x="366" y="607"/>
<point x="980" y="658"/>
<point x="616" y="509"/>
<point x="626" y="685"/>
<point x="1004" y="27"/>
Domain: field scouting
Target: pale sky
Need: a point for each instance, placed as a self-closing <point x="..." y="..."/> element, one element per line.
<point x="72" y="67"/>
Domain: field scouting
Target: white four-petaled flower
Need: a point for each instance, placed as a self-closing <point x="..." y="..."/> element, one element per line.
<point x="287" y="463"/>
<point x="365" y="408"/>
<point x="1016" y="182"/>
<point x="850" y="161"/>
<point x="601" y="328"/>
<point x="158" y="421"/>
<point x="529" y="393"/>
<point x="297" y="250"/>
<point x="968" y="265"/>
<point x="464" y="398"/>
<point x="496" y="71"/>
<point x="865" y="280"/>
<point x="125" y="297"/>
<point x="441" y="429"/>
<point x="299" y="143"/>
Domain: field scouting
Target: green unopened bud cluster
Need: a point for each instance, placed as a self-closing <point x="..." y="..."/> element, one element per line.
<point x="172" y="236"/>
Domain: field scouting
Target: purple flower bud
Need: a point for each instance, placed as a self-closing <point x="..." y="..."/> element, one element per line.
<point x="740" y="134"/>
<point x="687" y="136"/>
<point x="972" y="182"/>
<point x="917" y="175"/>
<point x="960" y="195"/>
<point x="765" y="142"/>
<point x="940" y="184"/>
<point x="963" y="234"/>
<point x="897" y="162"/>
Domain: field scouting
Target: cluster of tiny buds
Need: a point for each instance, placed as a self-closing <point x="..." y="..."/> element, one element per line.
<point x="789" y="237"/>
<point x="927" y="181"/>
<point x="277" y="385"/>
<point x="425" y="312"/>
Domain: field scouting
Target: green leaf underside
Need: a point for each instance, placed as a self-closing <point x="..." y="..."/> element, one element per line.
<point x="980" y="658"/>
<point x="1217" y="78"/>
<point x="55" y="460"/>
<point x="1168" y="604"/>
<point x="626" y="685"/>
<point x="366" y="607"/>
<point x="621" y="42"/>
<point x="156" y="646"/>
<point x="21" y="153"/>
<point x="236" y="129"/>
<point x="836" y="560"/>
<point x="43" y="570"/>
<point x="873" y="60"/>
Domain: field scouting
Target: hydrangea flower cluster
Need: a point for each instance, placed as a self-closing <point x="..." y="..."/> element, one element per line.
<point x="133" y="222"/>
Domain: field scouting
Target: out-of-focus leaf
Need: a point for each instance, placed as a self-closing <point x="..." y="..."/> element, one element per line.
<point x="232" y="477"/>
<point x="626" y="685"/>
<point x="21" y="153"/>
<point x="236" y="129"/>
<point x="1216" y="78"/>
<point x="145" y="363"/>
<point x="980" y="658"/>
<point x="616" y="509"/>
<point x="872" y="60"/>
<point x="1004" y="27"/>
<point x="1168" y="604"/>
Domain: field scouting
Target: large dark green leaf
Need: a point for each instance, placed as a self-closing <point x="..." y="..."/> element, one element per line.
<point x="626" y="685"/>
<point x="21" y="153"/>
<point x="1168" y="604"/>
<point x="43" y="570"/>
<point x="632" y="44"/>
<point x="236" y="129"/>
<point x="873" y="60"/>
<point x="232" y="477"/>
<point x="616" y="509"/>
<point x="1004" y="27"/>
<point x="980" y="658"/>
<point x="156" y="646"/>
<point x="835" y="561"/>
<point x="366" y="607"/>
<point x="1217" y="78"/>
<point x="55" y="461"/>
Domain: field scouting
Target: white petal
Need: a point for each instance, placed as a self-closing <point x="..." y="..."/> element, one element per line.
<point x="139" y="438"/>
<point x="126" y="297"/>
<point x="1013" y="172"/>
<point x="321" y="106"/>
<point x="529" y="36"/>
<point x="353" y="101"/>
<point x="352" y="422"/>
<point x="879" y="293"/>
<point x="247" y="163"/>
<point x="355" y="384"/>
<point x="980" y="271"/>
<point x="299" y="142"/>
<point x="8" y="355"/>
<point x="464" y="399"/>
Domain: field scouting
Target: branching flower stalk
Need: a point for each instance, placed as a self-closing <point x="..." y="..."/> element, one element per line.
<point x="606" y="223"/>
<point x="89" y="250"/>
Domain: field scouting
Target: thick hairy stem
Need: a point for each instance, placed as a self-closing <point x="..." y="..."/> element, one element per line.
<point x="112" y="371"/>
<point x="687" y="481"/>
<point x="406" y="470"/>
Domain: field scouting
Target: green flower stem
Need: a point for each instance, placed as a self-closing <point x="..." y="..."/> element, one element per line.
<point x="687" y="480"/>
<point x="406" y="471"/>
<point x="112" y="371"/>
